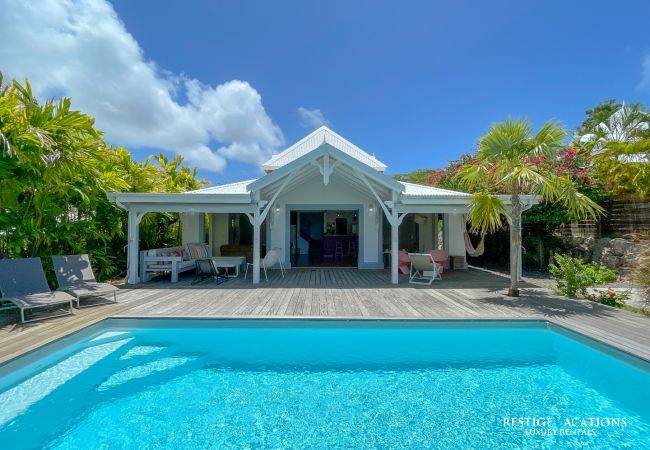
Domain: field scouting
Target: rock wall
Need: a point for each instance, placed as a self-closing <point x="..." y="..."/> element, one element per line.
<point x="619" y="254"/>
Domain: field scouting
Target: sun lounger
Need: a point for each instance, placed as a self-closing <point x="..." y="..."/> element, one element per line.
<point x="423" y="269"/>
<point x="23" y="283"/>
<point x="75" y="276"/>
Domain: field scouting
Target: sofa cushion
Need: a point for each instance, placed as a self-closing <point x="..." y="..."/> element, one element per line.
<point x="198" y="251"/>
<point x="171" y="251"/>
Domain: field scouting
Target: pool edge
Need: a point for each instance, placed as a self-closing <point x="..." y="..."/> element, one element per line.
<point x="610" y="349"/>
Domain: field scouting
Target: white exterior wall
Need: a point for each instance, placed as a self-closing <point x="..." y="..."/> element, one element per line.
<point x="218" y="232"/>
<point x="192" y="227"/>
<point x="425" y="237"/>
<point x="372" y="235"/>
<point x="313" y="195"/>
<point x="456" y="235"/>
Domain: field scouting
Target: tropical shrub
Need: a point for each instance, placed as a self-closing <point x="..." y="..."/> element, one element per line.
<point x="55" y="171"/>
<point x="611" y="298"/>
<point x="624" y="168"/>
<point x="573" y="275"/>
<point x="617" y="137"/>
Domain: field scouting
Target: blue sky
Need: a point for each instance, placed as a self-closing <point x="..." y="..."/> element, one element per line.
<point x="414" y="82"/>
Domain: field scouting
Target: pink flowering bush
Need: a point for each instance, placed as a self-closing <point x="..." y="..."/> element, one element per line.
<point x="569" y="162"/>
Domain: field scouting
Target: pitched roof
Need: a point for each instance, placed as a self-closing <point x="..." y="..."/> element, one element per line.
<point x="410" y="190"/>
<point x="418" y="190"/>
<point x="314" y="140"/>
<point x="240" y="187"/>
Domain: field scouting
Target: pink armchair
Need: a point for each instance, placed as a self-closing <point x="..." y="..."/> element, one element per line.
<point x="403" y="262"/>
<point x="440" y="257"/>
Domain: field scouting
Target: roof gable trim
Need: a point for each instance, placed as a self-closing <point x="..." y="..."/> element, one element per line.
<point x="313" y="141"/>
<point x="323" y="149"/>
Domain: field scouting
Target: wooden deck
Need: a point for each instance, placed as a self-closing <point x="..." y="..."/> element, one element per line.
<point x="470" y="294"/>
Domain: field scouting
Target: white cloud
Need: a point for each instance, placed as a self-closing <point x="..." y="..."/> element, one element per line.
<point x="644" y="85"/>
<point x="312" y="118"/>
<point x="81" y="49"/>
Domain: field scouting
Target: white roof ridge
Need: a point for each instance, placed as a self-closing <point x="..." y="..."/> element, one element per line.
<point x="338" y="136"/>
<point x="296" y="144"/>
<point x="330" y="137"/>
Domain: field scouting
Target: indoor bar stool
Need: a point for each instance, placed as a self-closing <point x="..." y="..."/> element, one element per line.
<point x="338" y="252"/>
<point x="352" y="248"/>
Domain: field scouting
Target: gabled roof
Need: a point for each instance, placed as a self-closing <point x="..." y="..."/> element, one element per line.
<point x="410" y="190"/>
<point x="338" y="155"/>
<point x="312" y="141"/>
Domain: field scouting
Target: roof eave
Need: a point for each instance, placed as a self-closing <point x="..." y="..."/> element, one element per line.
<point x="432" y="199"/>
<point x="176" y="197"/>
<point x="527" y="199"/>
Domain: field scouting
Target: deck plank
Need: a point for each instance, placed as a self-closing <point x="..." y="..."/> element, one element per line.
<point x="468" y="294"/>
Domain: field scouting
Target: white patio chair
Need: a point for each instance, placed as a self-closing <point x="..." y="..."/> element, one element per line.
<point x="271" y="259"/>
<point x="280" y="263"/>
<point x="424" y="270"/>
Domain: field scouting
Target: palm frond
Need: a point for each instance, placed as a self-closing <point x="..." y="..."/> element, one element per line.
<point x="578" y="205"/>
<point x="485" y="213"/>
<point x="474" y="175"/>
<point x="505" y="140"/>
<point x="525" y="177"/>
<point x="549" y="137"/>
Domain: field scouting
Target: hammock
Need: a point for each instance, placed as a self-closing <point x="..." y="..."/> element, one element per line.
<point x="471" y="251"/>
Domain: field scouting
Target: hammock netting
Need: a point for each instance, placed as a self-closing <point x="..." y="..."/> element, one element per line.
<point x="471" y="251"/>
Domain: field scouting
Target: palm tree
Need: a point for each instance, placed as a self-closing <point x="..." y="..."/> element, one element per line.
<point x="513" y="161"/>
<point x="626" y="125"/>
<point x="55" y="172"/>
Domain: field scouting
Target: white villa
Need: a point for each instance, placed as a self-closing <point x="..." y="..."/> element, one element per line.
<point x="323" y="202"/>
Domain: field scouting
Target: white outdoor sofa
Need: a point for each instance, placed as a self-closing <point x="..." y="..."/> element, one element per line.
<point x="173" y="260"/>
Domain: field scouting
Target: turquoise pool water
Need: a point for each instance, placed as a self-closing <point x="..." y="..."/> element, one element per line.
<point x="220" y="384"/>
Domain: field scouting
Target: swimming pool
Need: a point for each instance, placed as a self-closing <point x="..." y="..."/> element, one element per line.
<point x="136" y="383"/>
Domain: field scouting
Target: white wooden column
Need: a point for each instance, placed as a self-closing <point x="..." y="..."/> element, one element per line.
<point x="133" y="249"/>
<point x="394" y="227"/>
<point x="256" y="246"/>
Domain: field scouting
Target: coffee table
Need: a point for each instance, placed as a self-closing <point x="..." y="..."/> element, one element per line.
<point x="229" y="262"/>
